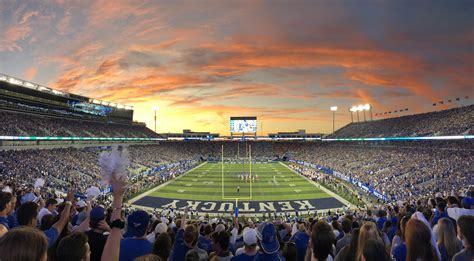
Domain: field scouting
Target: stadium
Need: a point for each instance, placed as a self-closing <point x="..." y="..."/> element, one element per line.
<point x="92" y="167"/>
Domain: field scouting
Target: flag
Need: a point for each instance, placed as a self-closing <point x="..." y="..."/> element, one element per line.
<point x="434" y="104"/>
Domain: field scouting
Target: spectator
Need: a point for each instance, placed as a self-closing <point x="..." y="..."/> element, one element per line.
<point x="74" y="248"/>
<point x="289" y="252"/>
<point x="48" y="209"/>
<point x="448" y="244"/>
<point x="322" y="240"/>
<point x="418" y="241"/>
<point x="466" y="234"/>
<point x="348" y="253"/>
<point x="374" y="250"/>
<point x="250" y="246"/>
<point x="6" y="206"/>
<point x="221" y="243"/>
<point x="301" y="239"/>
<point x="25" y="244"/>
<point x="162" y="246"/>
<point x="205" y="241"/>
<point x="134" y="243"/>
<point x="96" y="234"/>
<point x="346" y="239"/>
<point x="27" y="216"/>
<point x="159" y="229"/>
<point x="268" y="243"/>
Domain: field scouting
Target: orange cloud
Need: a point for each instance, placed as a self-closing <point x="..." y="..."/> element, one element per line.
<point x="31" y="73"/>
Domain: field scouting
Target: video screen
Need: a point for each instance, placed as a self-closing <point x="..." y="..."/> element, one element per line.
<point x="243" y="124"/>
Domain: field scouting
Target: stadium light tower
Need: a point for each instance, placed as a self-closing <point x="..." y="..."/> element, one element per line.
<point x="155" y="108"/>
<point x="333" y="109"/>
<point x="352" y="109"/>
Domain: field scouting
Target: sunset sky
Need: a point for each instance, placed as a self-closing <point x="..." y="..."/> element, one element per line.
<point x="285" y="62"/>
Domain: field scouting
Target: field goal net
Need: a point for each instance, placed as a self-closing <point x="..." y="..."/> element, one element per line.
<point x="237" y="175"/>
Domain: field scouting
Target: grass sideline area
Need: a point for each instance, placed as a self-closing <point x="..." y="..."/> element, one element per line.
<point x="210" y="182"/>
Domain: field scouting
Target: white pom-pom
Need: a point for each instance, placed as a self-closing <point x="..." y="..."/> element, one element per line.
<point x="7" y="189"/>
<point x="39" y="183"/>
<point x="92" y="192"/>
<point x="113" y="162"/>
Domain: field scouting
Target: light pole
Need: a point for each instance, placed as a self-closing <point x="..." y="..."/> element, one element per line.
<point x="155" y="108"/>
<point x="333" y="109"/>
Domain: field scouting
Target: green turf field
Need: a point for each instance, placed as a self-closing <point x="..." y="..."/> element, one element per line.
<point x="208" y="182"/>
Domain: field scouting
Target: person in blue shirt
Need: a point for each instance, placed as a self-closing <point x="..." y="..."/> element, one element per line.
<point x="301" y="239"/>
<point x="135" y="243"/>
<point x="250" y="246"/>
<point x="204" y="241"/>
<point x="439" y="213"/>
<point x="268" y="243"/>
<point x="381" y="218"/>
<point x="186" y="239"/>
<point x="7" y="202"/>
<point x="28" y="212"/>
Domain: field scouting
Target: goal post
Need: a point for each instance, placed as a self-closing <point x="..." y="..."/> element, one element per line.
<point x="237" y="177"/>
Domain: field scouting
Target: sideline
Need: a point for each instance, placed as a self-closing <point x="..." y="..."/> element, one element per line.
<point x="345" y="202"/>
<point x="146" y="193"/>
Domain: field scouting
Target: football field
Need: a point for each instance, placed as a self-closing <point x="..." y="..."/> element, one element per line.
<point x="250" y="182"/>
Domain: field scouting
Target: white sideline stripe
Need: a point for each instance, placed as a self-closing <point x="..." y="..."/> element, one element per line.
<point x="131" y="201"/>
<point x="345" y="202"/>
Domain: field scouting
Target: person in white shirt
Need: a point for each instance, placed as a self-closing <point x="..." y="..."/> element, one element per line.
<point x="49" y="209"/>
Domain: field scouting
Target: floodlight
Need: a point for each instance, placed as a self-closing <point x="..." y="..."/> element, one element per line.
<point x="353" y="109"/>
<point x="334" y="108"/>
<point x="367" y="107"/>
<point x="155" y="108"/>
<point x="360" y="108"/>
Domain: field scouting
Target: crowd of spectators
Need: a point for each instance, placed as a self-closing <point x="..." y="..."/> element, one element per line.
<point x="37" y="228"/>
<point x="457" y="121"/>
<point x="26" y="124"/>
<point x="399" y="172"/>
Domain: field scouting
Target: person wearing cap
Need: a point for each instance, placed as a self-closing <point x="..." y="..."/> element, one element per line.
<point x="268" y="243"/>
<point x="81" y="213"/>
<point x="249" y="251"/>
<point x="27" y="215"/>
<point x="95" y="235"/>
<point x="160" y="228"/>
<point x="134" y="243"/>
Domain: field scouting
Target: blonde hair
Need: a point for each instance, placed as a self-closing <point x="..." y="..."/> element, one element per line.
<point x="447" y="237"/>
<point x="367" y="231"/>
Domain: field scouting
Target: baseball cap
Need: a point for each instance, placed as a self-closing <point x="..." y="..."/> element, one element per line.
<point x="97" y="214"/>
<point x="250" y="236"/>
<point x="137" y="224"/>
<point x="28" y="197"/>
<point x="219" y="228"/>
<point x="266" y="234"/>
<point x="81" y="204"/>
<point x="161" y="228"/>
<point x="467" y="202"/>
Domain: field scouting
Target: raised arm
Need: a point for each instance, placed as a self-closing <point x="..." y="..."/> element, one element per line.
<point x="112" y="245"/>
<point x="64" y="219"/>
